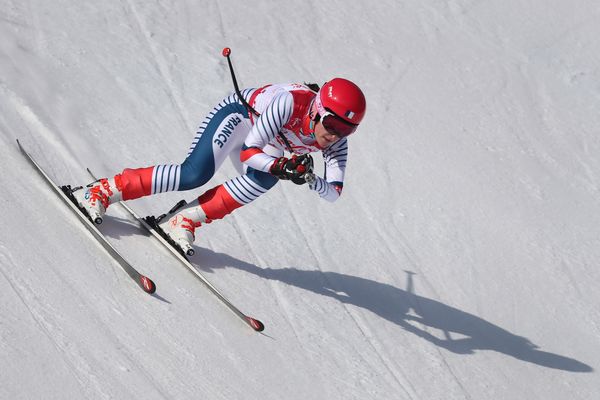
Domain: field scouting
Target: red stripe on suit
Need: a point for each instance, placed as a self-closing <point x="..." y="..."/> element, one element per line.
<point x="135" y="183"/>
<point x="217" y="203"/>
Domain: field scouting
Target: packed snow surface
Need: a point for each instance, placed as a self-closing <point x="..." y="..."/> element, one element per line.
<point x="461" y="262"/>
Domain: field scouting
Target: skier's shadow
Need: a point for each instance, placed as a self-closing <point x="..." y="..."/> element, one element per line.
<point x="402" y="307"/>
<point x="406" y="309"/>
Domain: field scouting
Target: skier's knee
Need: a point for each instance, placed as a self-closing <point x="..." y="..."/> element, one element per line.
<point x="192" y="178"/>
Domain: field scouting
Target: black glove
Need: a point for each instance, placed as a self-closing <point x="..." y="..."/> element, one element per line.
<point x="294" y="169"/>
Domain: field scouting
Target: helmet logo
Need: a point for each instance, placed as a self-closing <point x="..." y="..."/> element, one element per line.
<point x="330" y="91"/>
<point x="349" y="114"/>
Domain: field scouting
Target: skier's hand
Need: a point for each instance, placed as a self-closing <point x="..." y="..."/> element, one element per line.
<point x="294" y="169"/>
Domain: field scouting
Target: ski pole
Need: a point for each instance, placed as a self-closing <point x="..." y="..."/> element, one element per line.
<point x="227" y="53"/>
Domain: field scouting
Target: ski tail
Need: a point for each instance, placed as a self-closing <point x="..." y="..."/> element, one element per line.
<point x="65" y="193"/>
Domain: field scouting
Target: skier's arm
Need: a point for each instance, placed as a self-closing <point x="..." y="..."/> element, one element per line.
<point x="330" y="187"/>
<point x="266" y="128"/>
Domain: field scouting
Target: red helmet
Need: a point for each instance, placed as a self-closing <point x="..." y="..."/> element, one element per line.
<point x="344" y="99"/>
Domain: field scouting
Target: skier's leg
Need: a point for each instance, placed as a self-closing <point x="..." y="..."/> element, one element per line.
<point x="222" y="131"/>
<point x="214" y="204"/>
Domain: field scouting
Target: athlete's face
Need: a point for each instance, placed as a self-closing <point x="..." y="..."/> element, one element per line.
<point x="324" y="138"/>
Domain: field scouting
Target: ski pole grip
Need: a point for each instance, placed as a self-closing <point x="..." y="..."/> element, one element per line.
<point x="226" y="52"/>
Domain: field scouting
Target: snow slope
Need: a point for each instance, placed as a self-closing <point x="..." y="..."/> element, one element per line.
<point x="460" y="263"/>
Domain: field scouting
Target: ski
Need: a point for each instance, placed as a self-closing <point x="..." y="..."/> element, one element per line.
<point x="65" y="193"/>
<point x="151" y="225"/>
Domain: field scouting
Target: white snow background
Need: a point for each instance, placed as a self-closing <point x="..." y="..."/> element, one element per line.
<point x="461" y="262"/>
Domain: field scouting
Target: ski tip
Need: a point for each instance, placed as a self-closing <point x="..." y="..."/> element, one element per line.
<point x="255" y="324"/>
<point x="147" y="284"/>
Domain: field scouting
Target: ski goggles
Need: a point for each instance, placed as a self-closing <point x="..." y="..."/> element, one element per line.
<point x="333" y="123"/>
<point x="336" y="126"/>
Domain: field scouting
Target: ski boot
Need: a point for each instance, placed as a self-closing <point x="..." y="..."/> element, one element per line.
<point x="97" y="196"/>
<point x="181" y="222"/>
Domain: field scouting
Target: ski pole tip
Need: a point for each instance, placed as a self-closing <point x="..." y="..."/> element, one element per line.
<point x="226" y="52"/>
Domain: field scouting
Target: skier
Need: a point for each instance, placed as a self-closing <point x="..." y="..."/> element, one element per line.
<point x="291" y="117"/>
